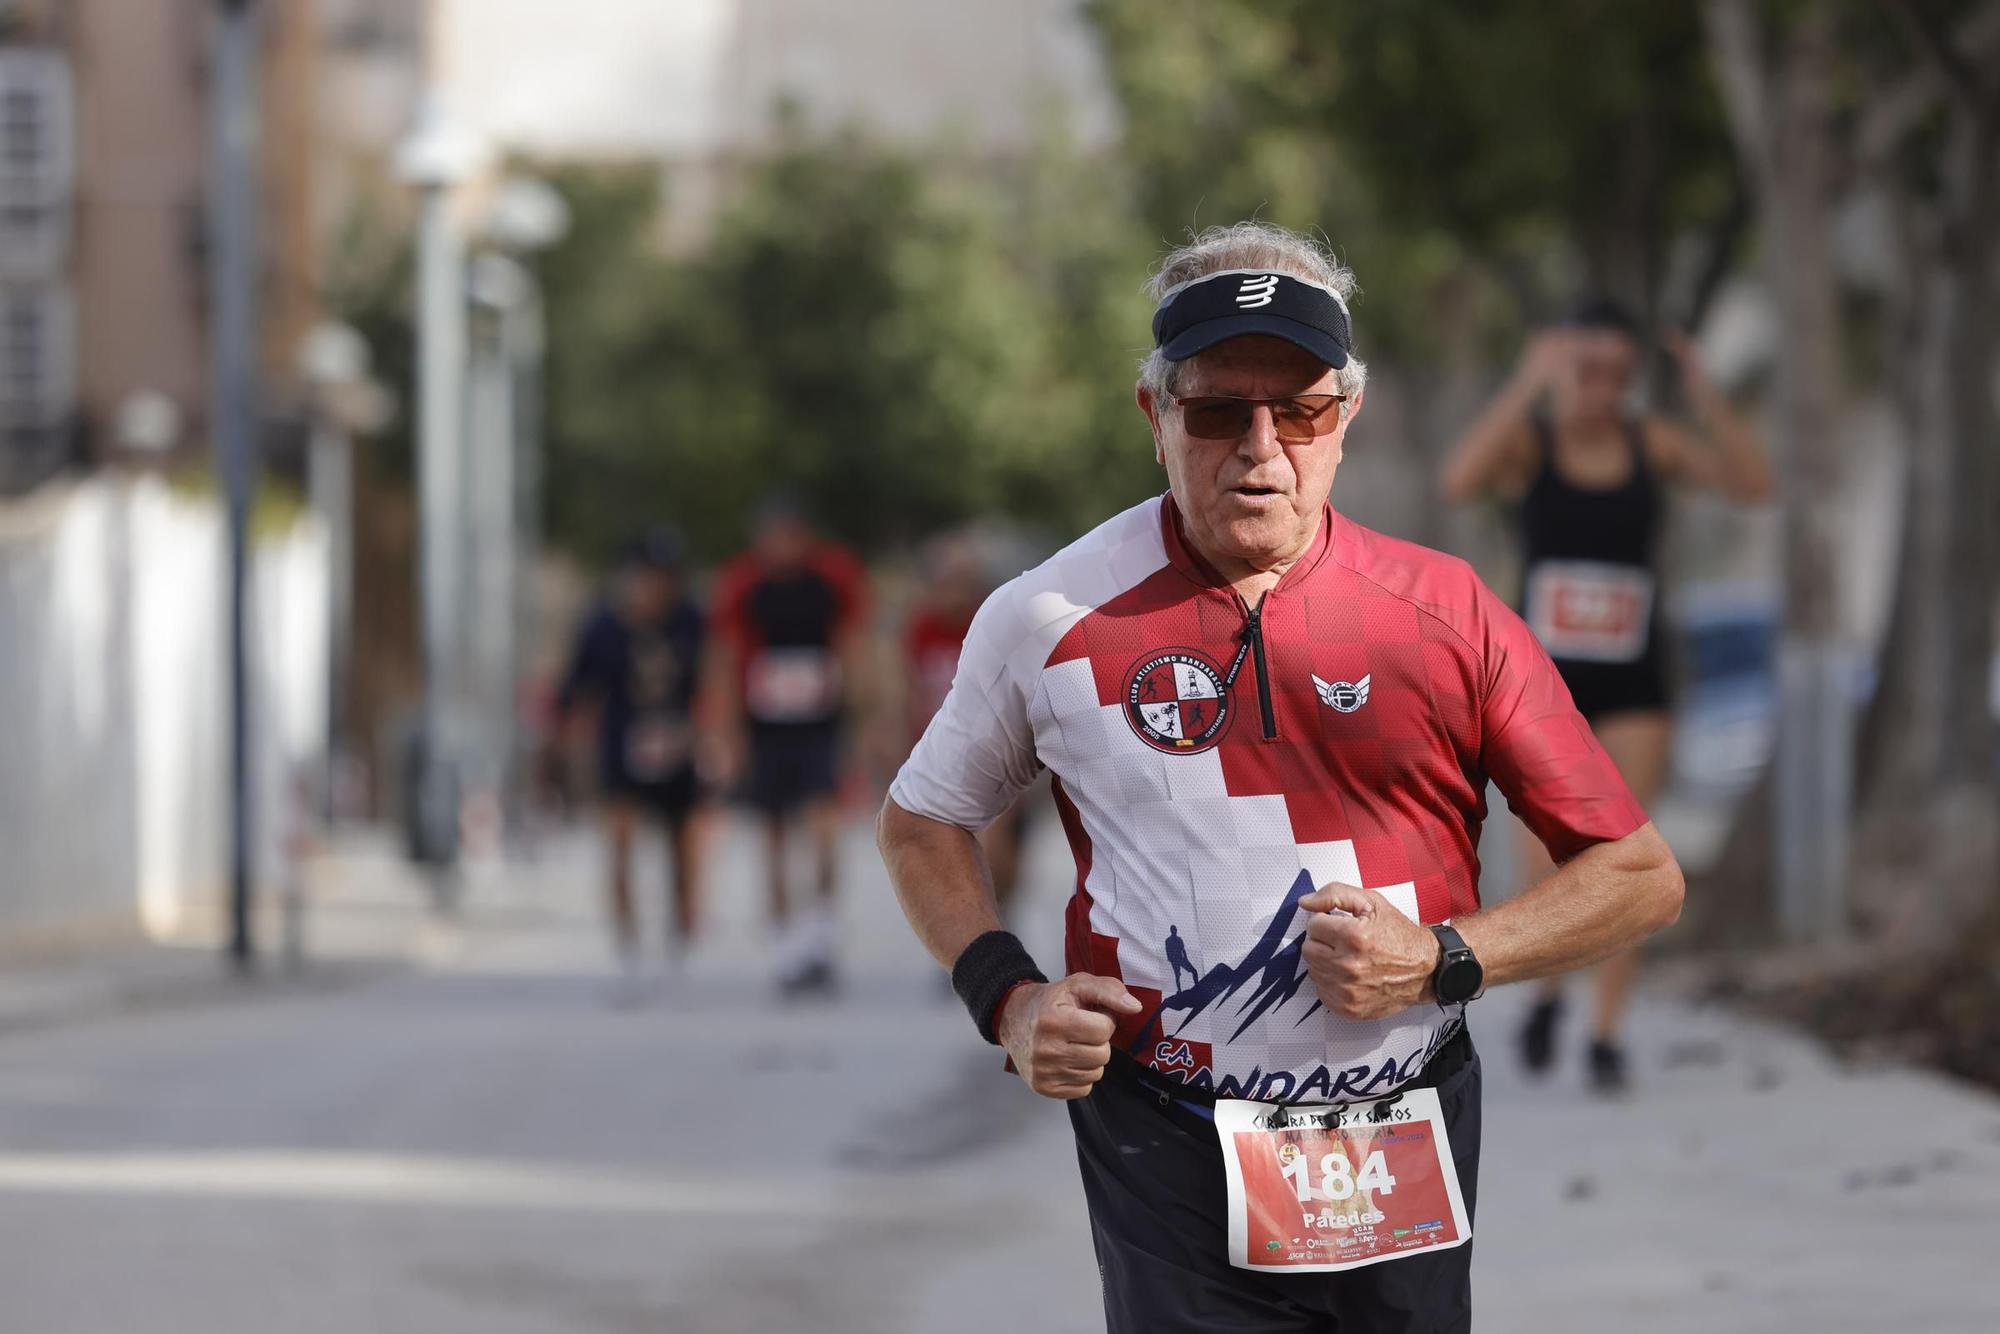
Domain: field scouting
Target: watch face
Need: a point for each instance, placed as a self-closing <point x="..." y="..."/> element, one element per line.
<point x="1460" y="980"/>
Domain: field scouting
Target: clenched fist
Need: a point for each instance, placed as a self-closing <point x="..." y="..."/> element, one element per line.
<point x="1059" y="1033"/>
<point x="1366" y="959"/>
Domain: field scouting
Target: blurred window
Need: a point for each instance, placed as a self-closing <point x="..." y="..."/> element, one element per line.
<point x="36" y="131"/>
<point x="35" y="163"/>
<point x="36" y="359"/>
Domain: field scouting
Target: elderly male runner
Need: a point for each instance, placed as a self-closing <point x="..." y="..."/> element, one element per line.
<point x="1270" y="731"/>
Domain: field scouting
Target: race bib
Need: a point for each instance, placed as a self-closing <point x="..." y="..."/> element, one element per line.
<point x="655" y="748"/>
<point x="1589" y="611"/>
<point x="792" y="685"/>
<point x="1338" y="1187"/>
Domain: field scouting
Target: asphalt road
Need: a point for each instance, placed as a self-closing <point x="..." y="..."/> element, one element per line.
<point x="487" y="1143"/>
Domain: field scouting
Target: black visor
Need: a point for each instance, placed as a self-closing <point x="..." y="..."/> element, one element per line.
<point x="1207" y="311"/>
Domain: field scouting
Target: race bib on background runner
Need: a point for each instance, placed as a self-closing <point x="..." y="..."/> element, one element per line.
<point x="1339" y="1187"/>
<point x="792" y="685"/>
<point x="655" y="748"/>
<point x="1589" y="611"/>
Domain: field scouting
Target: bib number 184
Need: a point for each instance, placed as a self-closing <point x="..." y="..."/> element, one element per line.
<point x="1337" y="1178"/>
<point x="1328" y="1188"/>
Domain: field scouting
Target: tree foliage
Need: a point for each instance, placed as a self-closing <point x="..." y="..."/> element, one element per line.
<point x="1512" y="133"/>
<point x="899" y="344"/>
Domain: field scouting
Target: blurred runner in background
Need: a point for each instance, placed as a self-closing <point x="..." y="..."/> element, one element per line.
<point x="956" y="582"/>
<point x="787" y="621"/>
<point x="1588" y="474"/>
<point x="635" y="666"/>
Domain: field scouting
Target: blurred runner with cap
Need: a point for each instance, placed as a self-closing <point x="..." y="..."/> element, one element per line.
<point x="787" y="630"/>
<point x="1270" y="731"/>
<point x="636" y="664"/>
<point x="1588" y="476"/>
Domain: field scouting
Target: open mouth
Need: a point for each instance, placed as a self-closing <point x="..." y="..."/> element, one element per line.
<point x="1256" y="491"/>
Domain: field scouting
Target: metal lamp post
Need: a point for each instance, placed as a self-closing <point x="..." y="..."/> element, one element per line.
<point x="526" y="216"/>
<point x="434" y="159"/>
<point x="333" y="362"/>
<point x="232" y="295"/>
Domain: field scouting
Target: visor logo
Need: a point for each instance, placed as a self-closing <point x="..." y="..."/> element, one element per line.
<point x="1257" y="291"/>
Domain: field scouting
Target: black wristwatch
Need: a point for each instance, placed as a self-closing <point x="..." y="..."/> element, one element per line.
<point x="1458" y="978"/>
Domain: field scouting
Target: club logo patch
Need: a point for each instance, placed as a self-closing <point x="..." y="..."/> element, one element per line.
<point x="1177" y="703"/>
<point x="1342" y="696"/>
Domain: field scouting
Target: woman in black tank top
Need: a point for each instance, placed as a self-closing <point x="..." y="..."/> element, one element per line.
<point x="1586" y="475"/>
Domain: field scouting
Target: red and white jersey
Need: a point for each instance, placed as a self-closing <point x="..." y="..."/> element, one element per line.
<point x="1214" y="765"/>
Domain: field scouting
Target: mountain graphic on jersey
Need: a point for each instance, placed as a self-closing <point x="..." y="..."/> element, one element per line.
<point x="1273" y="971"/>
<point x="1177" y="702"/>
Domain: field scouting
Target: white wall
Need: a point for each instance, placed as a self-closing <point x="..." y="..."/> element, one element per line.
<point x="113" y="673"/>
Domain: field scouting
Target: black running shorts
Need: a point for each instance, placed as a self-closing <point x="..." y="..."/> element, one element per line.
<point x="1154" y="1180"/>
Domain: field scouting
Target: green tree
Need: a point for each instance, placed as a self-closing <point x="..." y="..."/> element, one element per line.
<point x="900" y="342"/>
<point x="1423" y="135"/>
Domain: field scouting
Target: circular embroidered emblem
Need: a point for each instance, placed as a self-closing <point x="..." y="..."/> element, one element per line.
<point x="1177" y="703"/>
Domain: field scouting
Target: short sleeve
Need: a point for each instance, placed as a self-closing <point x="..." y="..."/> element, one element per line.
<point x="849" y="582"/>
<point x="978" y="752"/>
<point x="1539" y="750"/>
<point x="728" y="615"/>
<point x="594" y="664"/>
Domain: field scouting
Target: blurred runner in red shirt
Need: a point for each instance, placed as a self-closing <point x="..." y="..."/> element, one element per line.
<point x="957" y="582"/>
<point x="786" y="632"/>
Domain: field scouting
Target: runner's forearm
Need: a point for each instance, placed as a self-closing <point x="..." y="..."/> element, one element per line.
<point x="721" y="707"/>
<point x="941" y="879"/>
<point x="1475" y="461"/>
<point x="1746" y="469"/>
<point x="1604" y="900"/>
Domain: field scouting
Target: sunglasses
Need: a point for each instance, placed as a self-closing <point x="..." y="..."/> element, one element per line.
<point x="1296" y="420"/>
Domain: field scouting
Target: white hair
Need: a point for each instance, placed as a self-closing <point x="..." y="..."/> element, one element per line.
<point x="1259" y="246"/>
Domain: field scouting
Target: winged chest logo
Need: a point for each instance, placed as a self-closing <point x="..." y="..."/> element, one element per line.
<point x="1342" y="696"/>
<point x="1177" y="702"/>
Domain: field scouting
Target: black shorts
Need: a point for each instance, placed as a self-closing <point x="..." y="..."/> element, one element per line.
<point x="1153" y="1177"/>
<point x="1601" y="689"/>
<point x="670" y="799"/>
<point x="792" y="765"/>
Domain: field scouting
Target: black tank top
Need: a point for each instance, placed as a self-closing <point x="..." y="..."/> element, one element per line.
<point x="1616" y="525"/>
<point x="1589" y="588"/>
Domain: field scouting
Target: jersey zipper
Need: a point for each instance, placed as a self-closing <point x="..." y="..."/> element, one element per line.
<point x="1253" y="639"/>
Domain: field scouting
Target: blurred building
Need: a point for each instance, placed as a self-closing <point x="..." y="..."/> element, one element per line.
<point x="104" y="128"/>
<point x="695" y="85"/>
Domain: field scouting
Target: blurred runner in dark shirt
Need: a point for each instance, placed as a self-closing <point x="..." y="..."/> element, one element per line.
<point x="787" y="621"/>
<point x="635" y="667"/>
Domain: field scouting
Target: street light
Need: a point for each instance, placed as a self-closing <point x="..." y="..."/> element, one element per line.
<point x="435" y="158"/>
<point x="342" y="400"/>
<point x="526" y="215"/>
<point x="233" y="400"/>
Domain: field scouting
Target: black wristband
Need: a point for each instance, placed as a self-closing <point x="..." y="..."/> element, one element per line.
<point x="987" y="969"/>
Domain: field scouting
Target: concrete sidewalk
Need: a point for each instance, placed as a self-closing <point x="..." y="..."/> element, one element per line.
<point x="1750" y="1183"/>
<point x="366" y="913"/>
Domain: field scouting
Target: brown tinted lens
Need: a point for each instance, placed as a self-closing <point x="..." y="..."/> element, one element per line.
<point x="1215" y="418"/>
<point x="1297" y="420"/>
<point x="1306" y="417"/>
